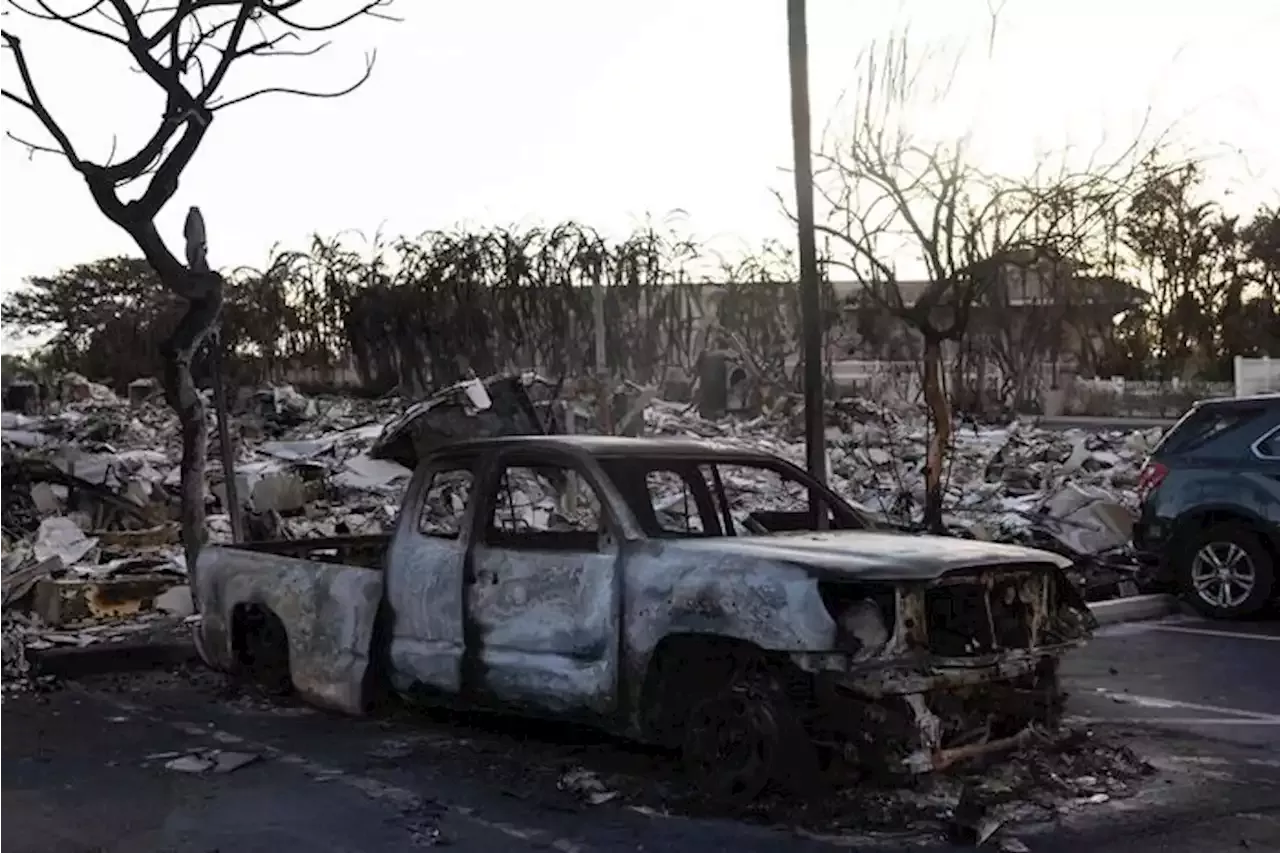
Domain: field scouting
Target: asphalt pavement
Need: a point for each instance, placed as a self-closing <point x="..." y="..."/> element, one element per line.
<point x="1203" y="698"/>
<point x="84" y="767"/>
<point x="1219" y="680"/>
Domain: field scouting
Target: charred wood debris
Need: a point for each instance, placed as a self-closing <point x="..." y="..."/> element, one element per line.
<point x="92" y="552"/>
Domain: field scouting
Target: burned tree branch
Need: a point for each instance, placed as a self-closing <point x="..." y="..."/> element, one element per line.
<point x="186" y="49"/>
<point x="302" y="93"/>
<point x="32" y="101"/>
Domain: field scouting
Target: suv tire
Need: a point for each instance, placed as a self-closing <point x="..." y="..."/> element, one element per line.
<point x="1238" y="556"/>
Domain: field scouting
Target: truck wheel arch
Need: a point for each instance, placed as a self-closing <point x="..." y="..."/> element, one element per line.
<point x="684" y="666"/>
<point x="260" y="646"/>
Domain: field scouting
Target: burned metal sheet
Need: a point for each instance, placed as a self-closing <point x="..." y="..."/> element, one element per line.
<point x="457" y="413"/>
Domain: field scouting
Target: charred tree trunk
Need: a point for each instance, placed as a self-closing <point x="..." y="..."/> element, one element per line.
<point x="184" y="397"/>
<point x="940" y="419"/>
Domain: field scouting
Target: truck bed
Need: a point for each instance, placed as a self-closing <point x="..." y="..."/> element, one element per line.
<point x="324" y="593"/>
<point x="365" y="551"/>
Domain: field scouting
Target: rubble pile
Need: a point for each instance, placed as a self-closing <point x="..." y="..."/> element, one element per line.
<point x="1002" y="483"/>
<point x="990" y="804"/>
<point x="91" y="482"/>
<point x="91" y="534"/>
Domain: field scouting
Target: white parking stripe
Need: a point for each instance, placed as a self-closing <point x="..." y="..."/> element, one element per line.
<point x="1213" y="632"/>
<point x="1160" y="702"/>
<point x="1174" y="721"/>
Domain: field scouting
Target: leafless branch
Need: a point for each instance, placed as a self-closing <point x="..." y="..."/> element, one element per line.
<point x="186" y="47"/>
<point x="190" y="42"/>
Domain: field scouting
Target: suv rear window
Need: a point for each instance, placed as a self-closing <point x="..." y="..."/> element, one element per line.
<point x="1203" y="424"/>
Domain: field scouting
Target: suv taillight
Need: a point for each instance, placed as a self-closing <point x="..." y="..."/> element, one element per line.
<point x="1150" y="479"/>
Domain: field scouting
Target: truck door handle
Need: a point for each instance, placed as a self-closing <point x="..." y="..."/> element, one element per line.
<point x="484" y="577"/>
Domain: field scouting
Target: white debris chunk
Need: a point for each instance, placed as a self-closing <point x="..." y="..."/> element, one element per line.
<point x="62" y="538"/>
<point x="586" y="785"/>
<point x="208" y="761"/>
<point x="176" y="601"/>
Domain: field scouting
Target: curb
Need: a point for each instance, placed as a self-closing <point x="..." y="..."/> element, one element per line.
<point x="106" y="658"/>
<point x="1135" y="608"/>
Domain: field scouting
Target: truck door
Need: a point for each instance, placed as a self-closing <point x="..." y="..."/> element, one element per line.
<point x="543" y="590"/>
<point x="424" y="580"/>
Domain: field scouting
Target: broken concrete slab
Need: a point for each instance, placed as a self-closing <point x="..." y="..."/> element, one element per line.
<point x="211" y="761"/>
<point x="23" y="578"/>
<point x="176" y="601"/>
<point x="58" y="601"/>
<point x="1136" y="608"/>
<point x="105" y="657"/>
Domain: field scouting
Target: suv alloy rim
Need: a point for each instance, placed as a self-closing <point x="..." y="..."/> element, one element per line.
<point x="1222" y="574"/>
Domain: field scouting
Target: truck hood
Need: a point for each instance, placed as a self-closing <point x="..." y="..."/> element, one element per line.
<point x="867" y="555"/>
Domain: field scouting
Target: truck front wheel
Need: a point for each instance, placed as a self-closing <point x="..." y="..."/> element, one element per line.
<point x="732" y="742"/>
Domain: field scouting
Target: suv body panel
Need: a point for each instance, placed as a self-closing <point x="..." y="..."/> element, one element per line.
<point x="1221" y="476"/>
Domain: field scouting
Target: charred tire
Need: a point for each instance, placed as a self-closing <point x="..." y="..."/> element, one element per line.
<point x="263" y="650"/>
<point x="741" y="737"/>
<point x="1226" y="572"/>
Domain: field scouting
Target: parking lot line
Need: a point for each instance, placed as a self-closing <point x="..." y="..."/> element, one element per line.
<point x="1213" y="632"/>
<point x="1159" y="702"/>
<point x="1174" y="721"/>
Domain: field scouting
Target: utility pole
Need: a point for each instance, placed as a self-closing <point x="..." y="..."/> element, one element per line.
<point x="810" y="301"/>
<point x="605" y="403"/>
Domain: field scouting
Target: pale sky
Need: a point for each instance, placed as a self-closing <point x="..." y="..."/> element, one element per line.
<point x="605" y="111"/>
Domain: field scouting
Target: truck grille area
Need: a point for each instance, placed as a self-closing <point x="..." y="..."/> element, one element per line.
<point x="979" y="614"/>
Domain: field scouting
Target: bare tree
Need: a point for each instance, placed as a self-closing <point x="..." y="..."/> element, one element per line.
<point x="1024" y="324"/>
<point x="186" y="48"/>
<point x="890" y="194"/>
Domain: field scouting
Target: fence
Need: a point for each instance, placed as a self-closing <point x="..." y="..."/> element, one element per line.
<point x="1256" y="375"/>
<point x="1125" y="398"/>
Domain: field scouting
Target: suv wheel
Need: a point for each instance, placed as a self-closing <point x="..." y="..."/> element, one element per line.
<point x="1226" y="572"/>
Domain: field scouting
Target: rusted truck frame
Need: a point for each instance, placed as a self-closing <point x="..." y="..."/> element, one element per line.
<point x="902" y="653"/>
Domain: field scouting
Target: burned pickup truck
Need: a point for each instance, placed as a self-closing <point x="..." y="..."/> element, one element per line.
<point x="714" y="600"/>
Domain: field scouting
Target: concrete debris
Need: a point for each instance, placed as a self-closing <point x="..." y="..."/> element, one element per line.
<point x="175" y="601"/>
<point x="16" y="666"/>
<point x="1089" y="520"/>
<point x="62" y="538"/>
<point x="206" y="760"/>
<point x="584" y="784"/>
<point x="92" y="480"/>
